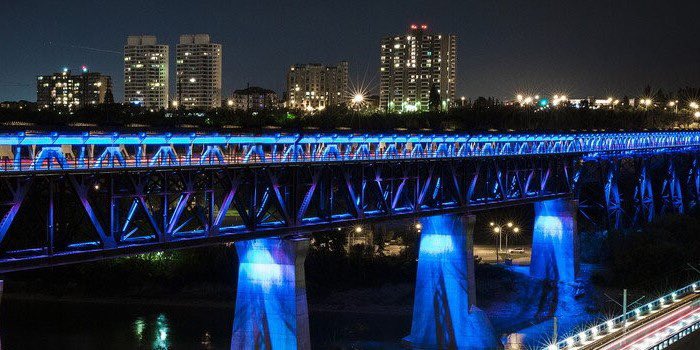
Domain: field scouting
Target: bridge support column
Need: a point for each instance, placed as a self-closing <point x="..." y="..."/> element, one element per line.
<point x="555" y="241"/>
<point x="444" y="312"/>
<point x="271" y="310"/>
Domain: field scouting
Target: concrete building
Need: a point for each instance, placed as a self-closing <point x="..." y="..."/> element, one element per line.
<point x="198" y="72"/>
<point x="412" y="65"/>
<point x="253" y="98"/>
<point x="65" y="92"/>
<point x="146" y="72"/>
<point x="313" y="87"/>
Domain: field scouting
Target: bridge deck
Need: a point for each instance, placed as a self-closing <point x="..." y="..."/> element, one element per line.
<point x="26" y="152"/>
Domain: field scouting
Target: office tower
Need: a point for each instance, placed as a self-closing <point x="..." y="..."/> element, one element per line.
<point x="314" y="87"/>
<point x="414" y="64"/>
<point x="66" y="92"/>
<point x="146" y="72"/>
<point x="198" y="75"/>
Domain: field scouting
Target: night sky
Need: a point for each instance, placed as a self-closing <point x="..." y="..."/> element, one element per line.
<point x="577" y="47"/>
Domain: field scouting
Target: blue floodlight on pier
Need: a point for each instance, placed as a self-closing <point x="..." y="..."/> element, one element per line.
<point x="271" y="310"/>
<point x="444" y="314"/>
<point x="554" y="254"/>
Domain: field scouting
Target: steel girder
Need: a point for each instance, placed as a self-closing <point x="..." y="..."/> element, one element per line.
<point x="56" y="216"/>
<point x="628" y="190"/>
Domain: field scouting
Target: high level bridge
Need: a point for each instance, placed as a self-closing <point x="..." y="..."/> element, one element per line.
<point x="70" y="197"/>
<point x="78" y="196"/>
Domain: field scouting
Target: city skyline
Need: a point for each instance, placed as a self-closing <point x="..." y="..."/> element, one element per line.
<point x="604" y="49"/>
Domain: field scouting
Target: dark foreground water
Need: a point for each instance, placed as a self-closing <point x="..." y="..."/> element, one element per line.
<point x="67" y="325"/>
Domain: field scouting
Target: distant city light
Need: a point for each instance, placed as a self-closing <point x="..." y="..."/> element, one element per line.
<point x="419" y="226"/>
<point x="229" y="103"/>
<point x="193" y="80"/>
<point x="358" y="229"/>
<point x="694" y="105"/>
<point x="697" y="114"/>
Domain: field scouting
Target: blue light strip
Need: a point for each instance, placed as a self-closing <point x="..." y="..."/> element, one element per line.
<point x="81" y="151"/>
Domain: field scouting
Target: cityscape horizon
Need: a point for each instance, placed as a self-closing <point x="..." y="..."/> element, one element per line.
<point x="484" y="68"/>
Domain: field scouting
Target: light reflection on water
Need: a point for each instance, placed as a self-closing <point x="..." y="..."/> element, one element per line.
<point x="30" y="325"/>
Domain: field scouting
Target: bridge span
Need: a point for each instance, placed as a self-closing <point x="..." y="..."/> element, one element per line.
<point x="79" y="197"/>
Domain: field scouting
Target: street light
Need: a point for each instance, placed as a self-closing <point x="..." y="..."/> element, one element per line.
<point x="694" y="105"/>
<point x="674" y="105"/>
<point x="358" y="98"/>
<point x="358" y="229"/>
<point x="498" y="228"/>
<point x="697" y="115"/>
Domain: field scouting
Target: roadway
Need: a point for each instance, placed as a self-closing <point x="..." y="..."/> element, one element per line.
<point x="652" y="329"/>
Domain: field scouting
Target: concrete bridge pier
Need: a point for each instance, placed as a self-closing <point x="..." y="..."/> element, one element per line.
<point x="271" y="310"/>
<point x="444" y="312"/>
<point x="555" y="241"/>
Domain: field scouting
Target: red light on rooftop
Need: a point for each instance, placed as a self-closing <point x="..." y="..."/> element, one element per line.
<point x="413" y="26"/>
<point x="424" y="26"/>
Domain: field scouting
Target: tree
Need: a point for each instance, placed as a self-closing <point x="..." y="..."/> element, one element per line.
<point x="109" y="97"/>
<point x="434" y="98"/>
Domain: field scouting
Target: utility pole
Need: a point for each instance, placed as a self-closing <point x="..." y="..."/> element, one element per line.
<point x="624" y="311"/>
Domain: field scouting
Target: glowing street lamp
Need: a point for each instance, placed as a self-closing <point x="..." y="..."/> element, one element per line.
<point x="696" y="114"/>
<point x="358" y="98"/>
<point x="358" y="229"/>
<point x="694" y="105"/>
<point x="498" y="229"/>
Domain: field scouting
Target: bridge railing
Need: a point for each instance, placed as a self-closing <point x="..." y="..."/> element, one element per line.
<point x="593" y="333"/>
<point x="50" y="152"/>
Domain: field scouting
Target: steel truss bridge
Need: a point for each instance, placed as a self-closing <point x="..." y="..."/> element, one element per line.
<point x="78" y="197"/>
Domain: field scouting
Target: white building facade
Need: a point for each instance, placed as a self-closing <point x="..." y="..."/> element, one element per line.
<point x="198" y="72"/>
<point x="412" y="65"/>
<point x="146" y="72"/>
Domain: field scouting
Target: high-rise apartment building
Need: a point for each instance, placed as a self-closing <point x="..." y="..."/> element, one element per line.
<point x="198" y="75"/>
<point x="146" y="72"/>
<point x="65" y="92"/>
<point x="313" y="87"/>
<point x="412" y="65"/>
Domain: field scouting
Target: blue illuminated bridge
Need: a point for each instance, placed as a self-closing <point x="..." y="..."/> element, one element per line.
<point x="70" y="197"/>
<point x="80" y="196"/>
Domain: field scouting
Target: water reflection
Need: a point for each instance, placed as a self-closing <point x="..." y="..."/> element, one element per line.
<point x="161" y="342"/>
<point x="158" y="329"/>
